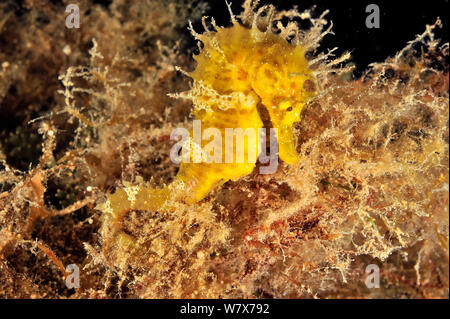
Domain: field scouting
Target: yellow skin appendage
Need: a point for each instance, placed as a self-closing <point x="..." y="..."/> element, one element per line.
<point x="238" y="69"/>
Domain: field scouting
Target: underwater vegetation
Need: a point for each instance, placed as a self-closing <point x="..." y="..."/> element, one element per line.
<point x="86" y="176"/>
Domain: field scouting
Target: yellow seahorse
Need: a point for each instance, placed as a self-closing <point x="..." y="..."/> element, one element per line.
<point x="238" y="69"/>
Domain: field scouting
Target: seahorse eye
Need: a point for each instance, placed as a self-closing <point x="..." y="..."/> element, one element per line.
<point x="289" y="109"/>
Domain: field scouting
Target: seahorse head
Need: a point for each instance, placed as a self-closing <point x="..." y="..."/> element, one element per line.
<point x="284" y="83"/>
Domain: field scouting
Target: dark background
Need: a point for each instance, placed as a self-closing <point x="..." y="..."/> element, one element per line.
<point x="400" y="21"/>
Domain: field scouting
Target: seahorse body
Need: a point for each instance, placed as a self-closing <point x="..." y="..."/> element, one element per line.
<point x="237" y="69"/>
